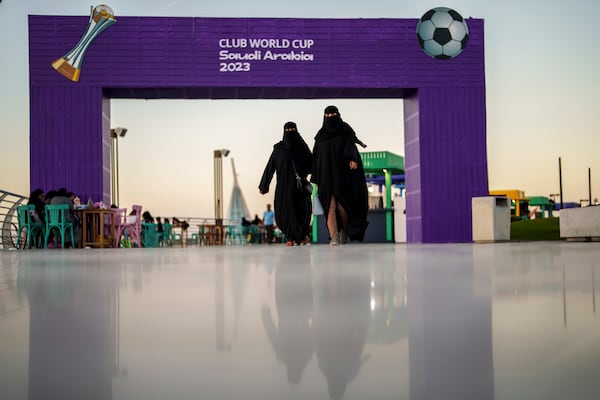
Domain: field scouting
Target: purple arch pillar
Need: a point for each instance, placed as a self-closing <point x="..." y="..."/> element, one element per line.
<point x="167" y="57"/>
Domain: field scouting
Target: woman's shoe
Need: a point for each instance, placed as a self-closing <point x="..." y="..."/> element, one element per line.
<point x="334" y="241"/>
<point x="289" y="243"/>
<point x="344" y="237"/>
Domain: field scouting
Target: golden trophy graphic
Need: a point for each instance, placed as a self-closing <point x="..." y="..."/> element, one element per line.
<point x="101" y="17"/>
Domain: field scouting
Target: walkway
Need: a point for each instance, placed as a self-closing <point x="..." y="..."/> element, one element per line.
<point x="506" y="321"/>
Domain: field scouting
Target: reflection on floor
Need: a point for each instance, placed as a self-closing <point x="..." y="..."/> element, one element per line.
<point x="497" y="321"/>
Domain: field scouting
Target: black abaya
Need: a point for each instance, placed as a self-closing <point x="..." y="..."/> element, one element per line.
<point x="293" y="208"/>
<point x="334" y="149"/>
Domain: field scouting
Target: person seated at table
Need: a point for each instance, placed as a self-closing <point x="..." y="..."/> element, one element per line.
<point x="159" y="230"/>
<point x="246" y="224"/>
<point x="38" y="215"/>
<point x="37" y="199"/>
<point x="49" y="196"/>
<point x="64" y="197"/>
<point x="256" y="230"/>
<point x="77" y="203"/>
<point x="180" y="224"/>
<point x="132" y="217"/>
<point x="147" y="217"/>
<point x="256" y="220"/>
<point x="165" y="236"/>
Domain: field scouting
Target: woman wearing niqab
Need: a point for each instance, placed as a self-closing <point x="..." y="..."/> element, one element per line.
<point x="340" y="177"/>
<point x="293" y="209"/>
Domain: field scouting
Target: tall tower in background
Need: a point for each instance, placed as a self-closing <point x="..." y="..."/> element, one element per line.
<point x="237" y="205"/>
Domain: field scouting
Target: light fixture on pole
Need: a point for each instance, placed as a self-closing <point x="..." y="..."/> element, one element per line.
<point x="115" y="134"/>
<point x="218" y="161"/>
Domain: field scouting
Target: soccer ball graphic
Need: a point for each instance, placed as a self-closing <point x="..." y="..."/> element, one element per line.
<point x="442" y="33"/>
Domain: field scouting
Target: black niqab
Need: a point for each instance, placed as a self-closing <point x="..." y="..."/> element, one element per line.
<point x="333" y="122"/>
<point x="291" y="137"/>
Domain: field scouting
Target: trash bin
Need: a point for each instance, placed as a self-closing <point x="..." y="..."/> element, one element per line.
<point x="491" y="218"/>
<point x="400" y="219"/>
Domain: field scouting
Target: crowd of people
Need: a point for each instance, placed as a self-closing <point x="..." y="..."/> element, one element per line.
<point x="40" y="199"/>
<point x="336" y="169"/>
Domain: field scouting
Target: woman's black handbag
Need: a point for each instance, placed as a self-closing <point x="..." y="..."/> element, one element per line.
<point x="301" y="184"/>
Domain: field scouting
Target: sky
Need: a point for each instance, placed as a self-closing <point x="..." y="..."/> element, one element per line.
<point x="542" y="84"/>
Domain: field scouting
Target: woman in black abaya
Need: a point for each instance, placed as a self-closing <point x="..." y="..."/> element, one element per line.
<point x="340" y="178"/>
<point x="293" y="208"/>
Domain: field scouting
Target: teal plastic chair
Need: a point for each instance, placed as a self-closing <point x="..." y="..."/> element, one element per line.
<point x="149" y="234"/>
<point x="194" y="239"/>
<point x="245" y="234"/>
<point x="254" y="234"/>
<point x="31" y="227"/>
<point x="233" y="235"/>
<point x="165" y="238"/>
<point x="55" y="219"/>
<point x="176" y="237"/>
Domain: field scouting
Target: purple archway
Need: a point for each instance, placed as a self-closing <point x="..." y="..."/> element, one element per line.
<point x="266" y="58"/>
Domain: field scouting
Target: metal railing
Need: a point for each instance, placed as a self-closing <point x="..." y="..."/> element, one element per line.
<point x="195" y="221"/>
<point x="8" y="217"/>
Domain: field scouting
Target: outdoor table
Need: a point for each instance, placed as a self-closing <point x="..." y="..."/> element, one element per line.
<point x="211" y="234"/>
<point x="94" y="227"/>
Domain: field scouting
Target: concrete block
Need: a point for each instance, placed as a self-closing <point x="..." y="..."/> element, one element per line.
<point x="400" y="219"/>
<point x="581" y="222"/>
<point x="491" y="218"/>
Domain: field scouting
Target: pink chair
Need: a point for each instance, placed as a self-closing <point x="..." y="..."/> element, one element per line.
<point x="133" y="229"/>
<point x="120" y="222"/>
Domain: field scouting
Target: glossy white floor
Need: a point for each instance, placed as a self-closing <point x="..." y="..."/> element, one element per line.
<point x="489" y="321"/>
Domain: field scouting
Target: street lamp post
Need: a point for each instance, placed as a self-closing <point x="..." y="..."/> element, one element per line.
<point x="115" y="134"/>
<point x="560" y="182"/>
<point x="218" y="161"/>
<point x="589" y="187"/>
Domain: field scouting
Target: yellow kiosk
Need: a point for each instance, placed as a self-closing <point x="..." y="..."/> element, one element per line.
<point x="518" y="200"/>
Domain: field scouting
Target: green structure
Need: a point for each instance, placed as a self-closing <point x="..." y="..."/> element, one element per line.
<point x="384" y="163"/>
<point x="545" y="205"/>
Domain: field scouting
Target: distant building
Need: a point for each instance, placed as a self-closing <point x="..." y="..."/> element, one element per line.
<point x="540" y="206"/>
<point x="519" y="208"/>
